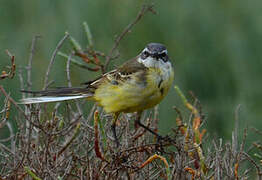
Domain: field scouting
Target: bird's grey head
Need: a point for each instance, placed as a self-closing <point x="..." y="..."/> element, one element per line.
<point x="155" y="51"/>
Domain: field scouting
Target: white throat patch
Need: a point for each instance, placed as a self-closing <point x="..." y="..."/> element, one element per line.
<point x="152" y="63"/>
<point x="165" y="67"/>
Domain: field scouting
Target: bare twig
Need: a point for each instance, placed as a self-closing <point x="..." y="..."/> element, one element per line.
<point x="70" y="140"/>
<point x="69" y="83"/>
<point x="99" y="154"/>
<point x="7" y="149"/>
<point x="11" y="100"/>
<point x="21" y="79"/>
<point x="67" y="129"/>
<point x="259" y="173"/>
<point x="156" y="118"/>
<point x="141" y="13"/>
<point x="257" y="131"/>
<point x="6" y="112"/>
<point x="19" y="108"/>
<point x="59" y="45"/>
<point x="29" y="67"/>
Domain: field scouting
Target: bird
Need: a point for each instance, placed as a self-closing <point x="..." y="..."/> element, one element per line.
<point x="138" y="84"/>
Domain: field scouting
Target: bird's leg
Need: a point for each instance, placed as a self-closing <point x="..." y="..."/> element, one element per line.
<point x="113" y="126"/>
<point x="137" y="121"/>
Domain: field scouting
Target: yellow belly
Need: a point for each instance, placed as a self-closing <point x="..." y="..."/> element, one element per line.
<point x="133" y="95"/>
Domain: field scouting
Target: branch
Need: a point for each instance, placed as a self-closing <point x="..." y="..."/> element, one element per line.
<point x="77" y="129"/>
<point x="29" y="67"/>
<point x="68" y="71"/>
<point x="59" y="45"/>
<point x="259" y="173"/>
<point x="19" y="108"/>
<point x="141" y="13"/>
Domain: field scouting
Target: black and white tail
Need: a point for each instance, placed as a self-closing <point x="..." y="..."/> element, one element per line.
<point x="60" y="94"/>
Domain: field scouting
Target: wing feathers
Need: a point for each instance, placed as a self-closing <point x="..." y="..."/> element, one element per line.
<point x="123" y="73"/>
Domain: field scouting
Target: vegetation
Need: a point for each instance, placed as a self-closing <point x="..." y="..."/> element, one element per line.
<point x="72" y="140"/>
<point x="66" y="145"/>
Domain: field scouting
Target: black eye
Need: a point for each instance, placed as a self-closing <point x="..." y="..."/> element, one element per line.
<point x="145" y="54"/>
<point x="162" y="55"/>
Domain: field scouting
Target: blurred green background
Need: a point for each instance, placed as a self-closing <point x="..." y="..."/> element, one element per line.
<point x="215" y="46"/>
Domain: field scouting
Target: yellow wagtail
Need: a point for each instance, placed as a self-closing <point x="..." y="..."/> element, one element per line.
<point x="138" y="84"/>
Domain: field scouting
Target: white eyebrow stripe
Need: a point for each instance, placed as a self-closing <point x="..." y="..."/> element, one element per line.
<point x="164" y="51"/>
<point x="146" y="50"/>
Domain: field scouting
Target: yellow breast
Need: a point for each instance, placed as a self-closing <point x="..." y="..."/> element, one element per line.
<point x="135" y="94"/>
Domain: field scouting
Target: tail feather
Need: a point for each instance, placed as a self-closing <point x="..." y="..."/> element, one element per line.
<point x="54" y="95"/>
<point x="45" y="99"/>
